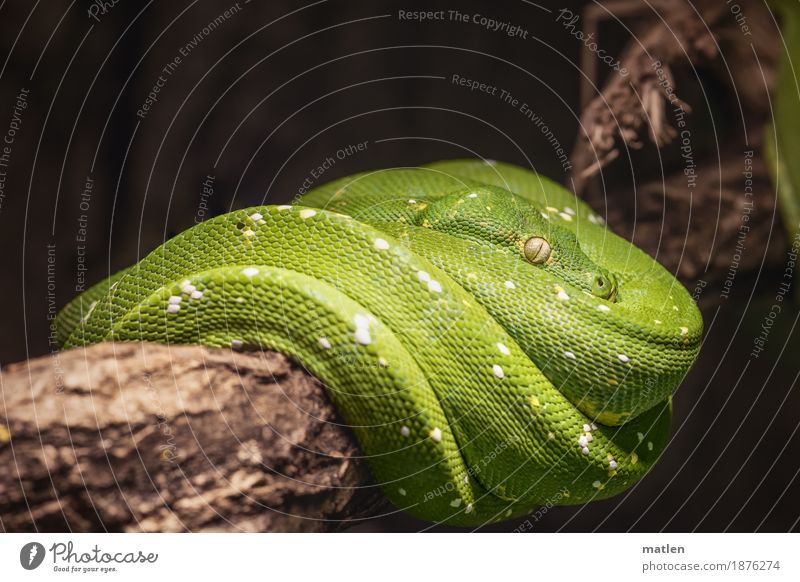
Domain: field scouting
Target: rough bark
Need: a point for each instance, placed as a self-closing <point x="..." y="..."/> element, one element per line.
<point x="144" y="437"/>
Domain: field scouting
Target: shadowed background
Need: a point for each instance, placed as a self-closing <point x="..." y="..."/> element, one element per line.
<point x="257" y="100"/>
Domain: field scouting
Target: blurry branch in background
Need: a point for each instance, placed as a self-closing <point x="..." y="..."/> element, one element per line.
<point x="687" y="200"/>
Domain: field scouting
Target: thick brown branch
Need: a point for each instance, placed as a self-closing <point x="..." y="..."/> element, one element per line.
<point x="143" y="437"/>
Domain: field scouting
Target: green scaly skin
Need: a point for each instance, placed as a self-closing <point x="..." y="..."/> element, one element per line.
<point x="479" y="385"/>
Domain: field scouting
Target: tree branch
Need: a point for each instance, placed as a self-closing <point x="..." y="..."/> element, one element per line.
<point x="145" y="437"/>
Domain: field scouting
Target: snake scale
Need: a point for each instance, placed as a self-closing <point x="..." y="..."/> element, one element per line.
<point x="492" y="344"/>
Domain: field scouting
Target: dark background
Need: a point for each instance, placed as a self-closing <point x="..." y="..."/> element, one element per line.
<point x="280" y="86"/>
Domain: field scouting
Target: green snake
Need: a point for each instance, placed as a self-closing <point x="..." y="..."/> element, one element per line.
<point x="493" y="346"/>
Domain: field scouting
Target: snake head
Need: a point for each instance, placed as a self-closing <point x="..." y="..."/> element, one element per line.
<point x="495" y="217"/>
<point x="557" y="251"/>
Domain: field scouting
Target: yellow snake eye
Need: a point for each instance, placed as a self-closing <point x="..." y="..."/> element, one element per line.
<point x="537" y="250"/>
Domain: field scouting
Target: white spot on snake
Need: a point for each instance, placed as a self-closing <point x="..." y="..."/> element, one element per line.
<point x="381" y="244"/>
<point x="612" y="464"/>
<point x="174" y="299"/>
<point x="569" y="355"/>
<point x="248" y="233"/>
<point x="236" y="344"/>
<point x="551" y="209"/>
<point x="188" y="288"/>
<point x="383" y="363"/>
<point x="589" y="437"/>
<point x="551" y="436"/>
<point x="623" y="358"/>
<point x="604" y="308"/>
<point x="196" y="294"/>
<point x="503" y="349"/>
<point x="402" y="492"/>
<point x="249" y="271"/>
<point x="325" y="343"/>
<point x="585" y="450"/>
<point x="185" y="282"/>
<point x="284" y="207"/>
<point x="684" y="330"/>
<point x="455" y="502"/>
<point x="405" y="431"/>
<point x="583" y="441"/>
<point x="469" y="508"/>
<point x="256" y="217"/>
<point x="436" y="435"/>
<point x="508" y="513"/>
<point x="587" y="428"/>
<point x="640" y="436"/>
<point x="544" y="215"/>
<point x="498" y="371"/>
<point x="657" y="321"/>
<point x="569" y="210"/>
<point x="649" y="446"/>
<point x="435" y="286"/>
<point x="565" y="216"/>
<point x="466" y="478"/>
<point x="362" y="336"/>
<point x="562" y="295"/>
<point x="240" y="300"/>
<point x="510" y="285"/>
<point x="412" y="201"/>
<point x="423" y="276"/>
<point x="173" y="308"/>
<point x="307" y="213"/>
<point x="473" y="195"/>
<point x="594" y="426"/>
<point x="597" y="485"/>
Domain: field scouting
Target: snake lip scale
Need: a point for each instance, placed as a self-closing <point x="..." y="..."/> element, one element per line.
<point x="493" y="345"/>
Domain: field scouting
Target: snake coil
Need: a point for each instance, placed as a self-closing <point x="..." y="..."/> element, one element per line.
<point x="493" y="346"/>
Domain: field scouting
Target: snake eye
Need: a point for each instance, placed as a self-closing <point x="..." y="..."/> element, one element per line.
<point x="604" y="287"/>
<point x="537" y="250"/>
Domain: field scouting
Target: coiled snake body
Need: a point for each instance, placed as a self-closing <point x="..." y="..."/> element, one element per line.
<point x="492" y="351"/>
